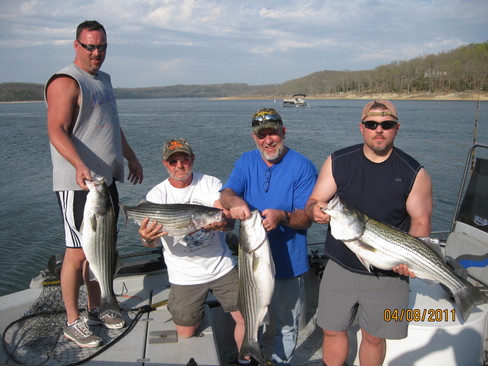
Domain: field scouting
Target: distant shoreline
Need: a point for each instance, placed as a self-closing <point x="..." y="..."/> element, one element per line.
<point x="482" y="96"/>
<point x="466" y="96"/>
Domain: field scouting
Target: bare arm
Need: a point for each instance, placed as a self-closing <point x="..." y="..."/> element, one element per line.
<point x="63" y="95"/>
<point x="419" y="208"/>
<point x="419" y="205"/>
<point x="324" y="190"/>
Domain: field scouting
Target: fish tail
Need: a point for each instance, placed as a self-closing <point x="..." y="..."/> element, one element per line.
<point x="251" y="348"/>
<point x="467" y="298"/>
<point x="109" y="304"/>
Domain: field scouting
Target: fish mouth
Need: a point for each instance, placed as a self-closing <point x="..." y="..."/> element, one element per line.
<point x="96" y="183"/>
<point x="334" y="203"/>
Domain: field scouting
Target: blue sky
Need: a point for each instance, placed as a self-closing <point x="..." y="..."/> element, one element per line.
<point x="169" y="42"/>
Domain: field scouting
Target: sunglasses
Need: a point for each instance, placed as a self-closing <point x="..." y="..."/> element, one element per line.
<point x="184" y="161"/>
<point x="267" y="176"/>
<point x="386" y="125"/>
<point x="258" y="121"/>
<point x="92" y="47"/>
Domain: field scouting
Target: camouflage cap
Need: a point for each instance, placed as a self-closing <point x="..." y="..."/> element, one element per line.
<point x="266" y="118"/>
<point x="176" y="145"/>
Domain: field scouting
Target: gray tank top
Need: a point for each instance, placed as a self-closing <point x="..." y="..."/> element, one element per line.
<point x="96" y="132"/>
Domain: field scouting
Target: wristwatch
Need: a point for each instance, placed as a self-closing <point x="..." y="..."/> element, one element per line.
<point x="286" y="219"/>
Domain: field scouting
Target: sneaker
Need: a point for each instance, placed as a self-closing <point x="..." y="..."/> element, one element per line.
<point x="79" y="333"/>
<point x="110" y="319"/>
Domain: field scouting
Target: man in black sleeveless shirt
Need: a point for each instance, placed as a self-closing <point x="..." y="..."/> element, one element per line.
<point x="389" y="186"/>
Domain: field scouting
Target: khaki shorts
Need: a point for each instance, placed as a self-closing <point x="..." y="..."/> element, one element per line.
<point x="186" y="302"/>
<point x="346" y="296"/>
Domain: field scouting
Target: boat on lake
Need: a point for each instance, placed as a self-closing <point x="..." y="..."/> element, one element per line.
<point x="297" y="100"/>
<point x="437" y="336"/>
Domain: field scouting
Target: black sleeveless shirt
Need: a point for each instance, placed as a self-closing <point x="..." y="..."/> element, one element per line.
<point x="378" y="189"/>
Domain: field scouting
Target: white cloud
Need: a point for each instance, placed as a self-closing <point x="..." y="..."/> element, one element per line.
<point x="253" y="41"/>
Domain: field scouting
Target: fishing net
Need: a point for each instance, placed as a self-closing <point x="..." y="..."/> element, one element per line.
<point x="37" y="338"/>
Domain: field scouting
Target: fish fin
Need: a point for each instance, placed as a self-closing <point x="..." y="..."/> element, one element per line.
<point x="91" y="275"/>
<point x="178" y="240"/>
<point x="467" y="298"/>
<point x="430" y="282"/>
<point x="251" y="348"/>
<point x="365" y="263"/>
<point x="92" y="221"/>
<point x="118" y="263"/>
<point x="367" y="247"/>
<point x="265" y="318"/>
<point x="434" y="244"/>
<point x="123" y="208"/>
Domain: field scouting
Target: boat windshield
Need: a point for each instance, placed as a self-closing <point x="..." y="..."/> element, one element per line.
<point x="474" y="209"/>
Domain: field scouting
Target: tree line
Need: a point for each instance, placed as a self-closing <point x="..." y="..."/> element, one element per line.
<point x="460" y="70"/>
<point x="464" y="69"/>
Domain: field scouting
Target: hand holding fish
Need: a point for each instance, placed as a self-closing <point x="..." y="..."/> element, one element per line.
<point x="83" y="174"/>
<point x="150" y="232"/>
<point x="402" y="269"/>
<point x="224" y="225"/>
<point x="271" y="218"/>
<point x="319" y="216"/>
<point x="239" y="209"/>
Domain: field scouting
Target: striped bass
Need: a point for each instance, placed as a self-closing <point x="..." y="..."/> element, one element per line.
<point x="99" y="241"/>
<point x="384" y="247"/>
<point x="177" y="219"/>
<point x="256" y="282"/>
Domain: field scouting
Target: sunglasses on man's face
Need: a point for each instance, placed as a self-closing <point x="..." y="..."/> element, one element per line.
<point x="184" y="161"/>
<point x="92" y="47"/>
<point x="385" y="125"/>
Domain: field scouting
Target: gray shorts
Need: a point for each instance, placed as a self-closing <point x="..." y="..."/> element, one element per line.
<point x="345" y="295"/>
<point x="186" y="302"/>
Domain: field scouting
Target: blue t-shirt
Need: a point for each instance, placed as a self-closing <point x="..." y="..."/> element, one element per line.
<point x="283" y="186"/>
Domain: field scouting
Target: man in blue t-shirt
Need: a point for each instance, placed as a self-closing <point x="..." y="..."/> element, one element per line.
<point x="389" y="186"/>
<point x="277" y="181"/>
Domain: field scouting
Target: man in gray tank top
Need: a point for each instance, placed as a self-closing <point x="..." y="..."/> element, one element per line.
<point x="86" y="138"/>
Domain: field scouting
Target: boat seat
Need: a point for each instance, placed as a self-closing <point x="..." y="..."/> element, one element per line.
<point x="469" y="252"/>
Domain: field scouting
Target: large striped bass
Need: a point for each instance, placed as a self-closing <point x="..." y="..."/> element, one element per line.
<point x="256" y="281"/>
<point x="178" y="219"/>
<point x="384" y="247"/>
<point x="99" y="241"/>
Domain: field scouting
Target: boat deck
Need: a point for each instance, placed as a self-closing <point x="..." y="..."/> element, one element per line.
<point x="153" y="339"/>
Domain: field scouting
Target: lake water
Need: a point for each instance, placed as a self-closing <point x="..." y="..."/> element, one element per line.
<point x="437" y="133"/>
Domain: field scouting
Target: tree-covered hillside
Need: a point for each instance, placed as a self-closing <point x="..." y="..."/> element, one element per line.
<point x="464" y="69"/>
